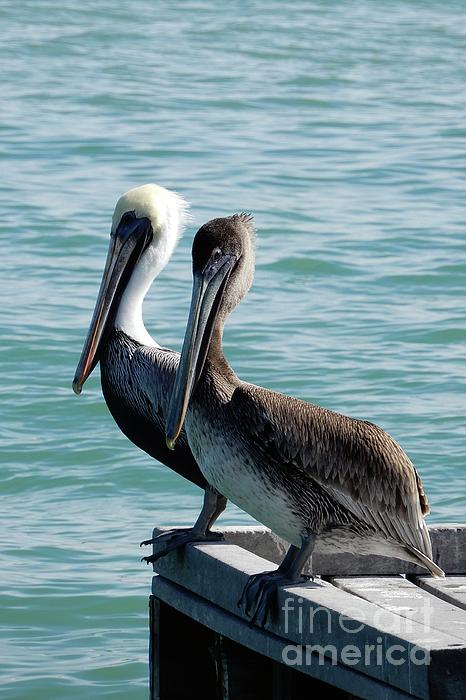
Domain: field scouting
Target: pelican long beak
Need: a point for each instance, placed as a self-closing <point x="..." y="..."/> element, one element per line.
<point x="208" y="289"/>
<point x="126" y="247"/>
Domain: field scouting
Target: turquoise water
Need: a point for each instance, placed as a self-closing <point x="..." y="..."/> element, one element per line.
<point x="340" y="125"/>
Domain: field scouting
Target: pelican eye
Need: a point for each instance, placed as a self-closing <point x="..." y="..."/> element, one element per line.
<point x="212" y="262"/>
<point x="127" y="218"/>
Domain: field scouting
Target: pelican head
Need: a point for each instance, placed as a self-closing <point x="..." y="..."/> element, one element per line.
<point x="146" y="225"/>
<point x="223" y="270"/>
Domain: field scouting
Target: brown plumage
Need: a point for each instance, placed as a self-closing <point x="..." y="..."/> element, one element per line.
<point x="316" y="477"/>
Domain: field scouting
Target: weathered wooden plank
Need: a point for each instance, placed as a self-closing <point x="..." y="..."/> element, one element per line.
<point x="242" y="674"/>
<point x="452" y="589"/>
<point x="449" y="547"/>
<point x="270" y="645"/>
<point x="398" y="595"/>
<point x="179" y="659"/>
<point x="448" y="543"/>
<point x="154" y="646"/>
<point x="320" y="613"/>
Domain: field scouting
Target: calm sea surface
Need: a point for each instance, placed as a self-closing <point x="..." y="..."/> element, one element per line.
<point x="341" y="126"/>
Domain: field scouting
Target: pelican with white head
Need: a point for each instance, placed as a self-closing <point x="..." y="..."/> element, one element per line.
<point x="136" y="373"/>
<point x="146" y="225"/>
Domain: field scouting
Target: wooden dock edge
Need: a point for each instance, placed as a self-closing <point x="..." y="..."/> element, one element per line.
<point x="420" y="657"/>
<point x="448" y="548"/>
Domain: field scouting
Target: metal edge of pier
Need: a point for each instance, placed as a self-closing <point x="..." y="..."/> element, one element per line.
<point x="369" y="627"/>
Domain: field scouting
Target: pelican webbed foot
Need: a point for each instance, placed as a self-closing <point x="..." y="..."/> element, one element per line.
<point x="259" y="597"/>
<point x="214" y="504"/>
<point x="177" y="538"/>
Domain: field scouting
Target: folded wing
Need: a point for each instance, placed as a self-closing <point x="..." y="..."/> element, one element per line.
<point x="356" y="462"/>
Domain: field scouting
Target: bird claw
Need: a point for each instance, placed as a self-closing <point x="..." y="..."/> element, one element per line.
<point x="168" y="534"/>
<point x="259" y="597"/>
<point x="176" y="539"/>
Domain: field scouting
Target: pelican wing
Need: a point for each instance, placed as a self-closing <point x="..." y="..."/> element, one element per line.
<point x="355" y="461"/>
<point x="157" y="379"/>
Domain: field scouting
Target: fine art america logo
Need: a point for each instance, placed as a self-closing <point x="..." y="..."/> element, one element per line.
<point x="385" y="640"/>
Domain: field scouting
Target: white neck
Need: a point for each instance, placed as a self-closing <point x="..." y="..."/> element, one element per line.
<point x="150" y="264"/>
<point x="129" y="316"/>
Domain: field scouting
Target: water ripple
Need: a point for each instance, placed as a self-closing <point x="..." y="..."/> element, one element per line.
<point x="341" y="127"/>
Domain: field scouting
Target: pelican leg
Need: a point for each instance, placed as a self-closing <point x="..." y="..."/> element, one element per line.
<point x="260" y="593"/>
<point x="214" y="504"/>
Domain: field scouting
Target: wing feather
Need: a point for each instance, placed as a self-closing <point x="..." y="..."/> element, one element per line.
<point x="356" y="462"/>
<point x="158" y="385"/>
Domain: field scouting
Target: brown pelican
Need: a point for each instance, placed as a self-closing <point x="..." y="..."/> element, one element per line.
<point x="136" y="373"/>
<point x="318" y="479"/>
